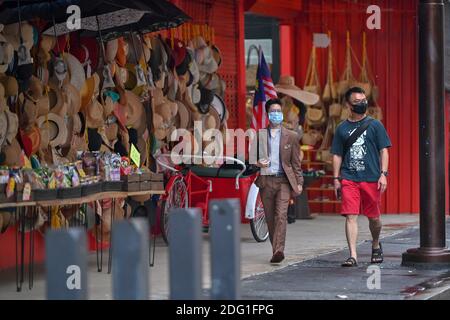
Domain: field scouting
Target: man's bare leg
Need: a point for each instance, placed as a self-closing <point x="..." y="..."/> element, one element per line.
<point x="351" y="231"/>
<point x="375" y="230"/>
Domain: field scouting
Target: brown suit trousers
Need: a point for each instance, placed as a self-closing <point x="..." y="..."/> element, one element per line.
<point x="275" y="198"/>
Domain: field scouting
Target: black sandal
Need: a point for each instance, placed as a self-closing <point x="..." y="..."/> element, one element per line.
<point x="377" y="255"/>
<point x="350" y="262"/>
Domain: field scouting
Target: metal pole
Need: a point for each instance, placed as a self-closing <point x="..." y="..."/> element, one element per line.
<point x="431" y="144"/>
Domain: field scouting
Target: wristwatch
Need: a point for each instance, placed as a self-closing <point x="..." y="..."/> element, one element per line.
<point x="384" y="173"/>
<point x="337" y="178"/>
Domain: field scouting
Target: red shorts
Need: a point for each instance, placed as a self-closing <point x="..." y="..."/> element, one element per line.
<point x="361" y="197"/>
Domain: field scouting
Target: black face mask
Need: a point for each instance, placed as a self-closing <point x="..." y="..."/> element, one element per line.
<point x="360" y="108"/>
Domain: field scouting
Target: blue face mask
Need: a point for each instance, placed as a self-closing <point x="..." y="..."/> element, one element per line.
<point x="276" y="117"/>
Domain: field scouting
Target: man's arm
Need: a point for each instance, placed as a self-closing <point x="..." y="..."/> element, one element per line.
<point x="384" y="155"/>
<point x="382" y="182"/>
<point x="337" y="162"/>
<point x="296" y="162"/>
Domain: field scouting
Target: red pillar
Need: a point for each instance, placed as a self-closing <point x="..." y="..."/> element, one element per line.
<point x="286" y="49"/>
<point x="241" y="85"/>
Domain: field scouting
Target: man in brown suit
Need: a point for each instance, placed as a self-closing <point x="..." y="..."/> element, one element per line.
<point x="280" y="178"/>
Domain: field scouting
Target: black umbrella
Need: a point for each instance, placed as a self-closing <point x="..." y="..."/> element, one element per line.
<point x="43" y="10"/>
<point x="114" y="17"/>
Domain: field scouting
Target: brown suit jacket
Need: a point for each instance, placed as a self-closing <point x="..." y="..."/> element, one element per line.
<point x="290" y="160"/>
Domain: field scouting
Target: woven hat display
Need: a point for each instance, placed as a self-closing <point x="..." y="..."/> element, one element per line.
<point x="347" y="79"/>
<point x="330" y="90"/>
<point x="315" y="116"/>
<point x="312" y="82"/>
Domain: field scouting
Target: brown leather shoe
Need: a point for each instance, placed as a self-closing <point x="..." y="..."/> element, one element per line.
<point x="277" y="257"/>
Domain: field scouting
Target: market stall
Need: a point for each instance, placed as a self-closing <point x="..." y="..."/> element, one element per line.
<point x="84" y="113"/>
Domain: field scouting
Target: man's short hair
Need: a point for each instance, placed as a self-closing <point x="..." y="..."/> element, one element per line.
<point x="271" y="102"/>
<point x="353" y="90"/>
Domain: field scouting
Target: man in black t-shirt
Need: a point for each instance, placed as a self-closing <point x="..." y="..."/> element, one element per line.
<point x="360" y="172"/>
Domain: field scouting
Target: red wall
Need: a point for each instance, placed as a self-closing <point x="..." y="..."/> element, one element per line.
<point x="393" y="55"/>
<point x="227" y="19"/>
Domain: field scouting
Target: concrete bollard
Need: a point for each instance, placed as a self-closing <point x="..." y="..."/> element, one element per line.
<point x="225" y="249"/>
<point x="66" y="264"/>
<point x="185" y="254"/>
<point x="130" y="247"/>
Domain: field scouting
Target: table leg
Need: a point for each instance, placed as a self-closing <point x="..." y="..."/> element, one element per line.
<point x="113" y="212"/>
<point x="31" y="262"/>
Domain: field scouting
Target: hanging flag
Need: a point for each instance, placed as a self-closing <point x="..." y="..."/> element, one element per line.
<point x="264" y="91"/>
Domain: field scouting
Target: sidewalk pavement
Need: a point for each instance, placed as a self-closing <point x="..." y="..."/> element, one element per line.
<point x="322" y="277"/>
<point x="300" y="277"/>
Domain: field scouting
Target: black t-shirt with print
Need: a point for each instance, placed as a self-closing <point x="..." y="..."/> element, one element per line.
<point x="362" y="161"/>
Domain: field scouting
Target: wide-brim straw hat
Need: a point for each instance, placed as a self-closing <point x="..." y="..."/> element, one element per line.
<point x="73" y="98"/>
<point x="286" y="85"/>
<point x="3" y="128"/>
<point x="90" y="86"/>
<point x="122" y="52"/>
<point x="135" y="108"/>
<point x="10" y="84"/>
<point x="315" y="116"/>
<point x="13" y="125"/>
<point x="34" y="134"/>
<point x="183" y="119"/>
<point x="7" y="51"/>
<point x="111" y="50"/>
<point x="12" y="153"/>
<point x="57" y="129"/>
<point x="76" y="71"/>
<point x="219" y="106"/>
<point x="212" y="120"/>
<point x="135" y="52"/>
<point x="141" y="125"/>
<point x="11" y="33"/>
<point x="94" y="114"/>
<point x="28" y="111"/>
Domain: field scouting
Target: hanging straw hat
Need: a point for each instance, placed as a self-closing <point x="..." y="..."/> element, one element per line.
<point x="12" y="153"/>
<point x="6" y="52"/>
<point x="76" y="71"/>
<point x="10" y="84"/>
<point x="286" y="85"/>
<point x="134" y="52"/>
<point x="183" y="119"/>
<point x="3" y="128"/>
<point x="34" y="135"/>
<point x="57" y="129"/>
<point x="12" y="31"/>
<point x="13" y="125"/>
<point x="122" y="52"/>
<point x="94" y="114"/>
<point x="72" y="98"/>
<point x="36" y="92"/>
<point x="315" y="116"/>
<point x="28" y="109"/>
<point x="212" y="119"/>
<point x="135" y="108"/>
<point x="90" y="86"/>
<point x="111" y="50"/>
